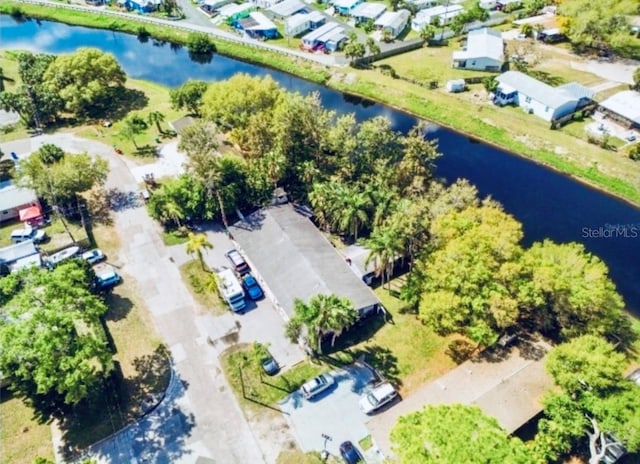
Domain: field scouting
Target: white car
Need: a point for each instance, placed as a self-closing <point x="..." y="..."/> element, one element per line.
<point x="93" y="256"/>
<point x="377" y="397"/>
<point x="316" y="386"/>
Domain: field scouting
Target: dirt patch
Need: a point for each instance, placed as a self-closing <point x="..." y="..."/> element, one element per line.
<point x="272" y="432"/>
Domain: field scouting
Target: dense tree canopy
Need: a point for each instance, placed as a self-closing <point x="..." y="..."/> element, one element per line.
<point x="589" y="372"/>
<point x="602" y="25"/>
<point x="58" y="178"/>
<point x="53" y="347"/>
<point x="568" y="291"/>
<point x="453" y="434"/>
<point x="36" y="104"/>
<point x="188" y="96"/>
<point x="469" y="275"/>
<point x="85" y="80"/>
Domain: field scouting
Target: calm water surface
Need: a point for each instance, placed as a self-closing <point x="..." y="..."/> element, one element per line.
<point x="547" y="204"/>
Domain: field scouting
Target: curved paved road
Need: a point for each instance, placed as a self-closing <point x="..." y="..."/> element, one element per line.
<point x="200" y="418"/>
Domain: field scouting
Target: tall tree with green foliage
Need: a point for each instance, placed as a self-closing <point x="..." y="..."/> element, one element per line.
<point x="589" y="373"/>
<point x="602" y="25"/>
<point x="196" y="244"/>
<point x="86" y="80"/>
<point x="188" y="96"/>
<point x="54" y="351"/>
<point x="233" y="102"/>
<point x="132" y="127"/>
<point x="36" y="104"/>
<point x="568" y="293"/>
<point x="59" y="177"/>
<point x="156" y="117"/>
<point x="453" y="434"/>
<point x="199" y="140"/>
<point x="323" y="314"/>
<point x="470" y="272"/>
<point x="385" y="246"/>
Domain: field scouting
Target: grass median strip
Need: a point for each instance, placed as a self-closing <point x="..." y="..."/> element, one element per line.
<point x="202" y="285"/>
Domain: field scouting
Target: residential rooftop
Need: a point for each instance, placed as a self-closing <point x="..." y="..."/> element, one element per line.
<point x="295" y="260"/>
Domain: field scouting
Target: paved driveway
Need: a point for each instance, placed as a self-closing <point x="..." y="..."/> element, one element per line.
<point x="335" y="412"/>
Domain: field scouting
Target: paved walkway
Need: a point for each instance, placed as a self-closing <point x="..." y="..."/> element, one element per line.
<point x="507" y="386"/>
<point x="201" y="418"/>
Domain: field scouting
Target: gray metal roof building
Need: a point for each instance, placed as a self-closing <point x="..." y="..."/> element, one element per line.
<point x="295" y="261"/>
<point x="626" y="105"/>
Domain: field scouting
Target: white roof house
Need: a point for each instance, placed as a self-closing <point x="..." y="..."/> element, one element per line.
<point x="345" y="7"/>
<point x="293" y="260"/>
<point x="534" y="96"/>
<point x="302" y="22"/>
<point x="484" y="51"/>
<point x="368" y="11"/>
<point x="287" y="8"/>
<point x="393" y="21"/>
<point x="624" y="105"/>
<point x="422" y="4"/>
<point x="444" y="13"/>
<point x="312" y="38"/>
<point x="233" y="9"/>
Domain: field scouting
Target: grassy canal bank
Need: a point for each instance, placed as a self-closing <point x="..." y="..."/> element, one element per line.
<point x="506" y="128"/>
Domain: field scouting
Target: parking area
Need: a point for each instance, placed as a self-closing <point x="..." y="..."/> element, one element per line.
<point x="333" y="413"/>
<point x="259" y="322"/>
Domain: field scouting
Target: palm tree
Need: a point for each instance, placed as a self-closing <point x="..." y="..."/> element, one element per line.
<point x="372" y="46"/>
<point x="385" y="246"/>
<point x="323" y="314"/>
<point x="353" y="211"/>
<point x="196" y="244"/>
<point x="156" y="117"/>
<point x="172" y="212"/>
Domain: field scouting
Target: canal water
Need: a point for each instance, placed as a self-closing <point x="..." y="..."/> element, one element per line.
<point x="545" y="202"/>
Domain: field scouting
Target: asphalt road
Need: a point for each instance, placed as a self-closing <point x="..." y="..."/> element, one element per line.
<point x="200" y="417"/>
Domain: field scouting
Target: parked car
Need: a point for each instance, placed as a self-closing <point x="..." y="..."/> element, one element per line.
<point x="107" y="279"/>
<point x="28" y="233"/>
<point x="615" y="450"/>
<point x="317" y="386"/>
<point x="377" y="397"/>
<point x="635" y="377"/>
<point x="237" y="261"/>
<point x="269" y="365"/>
<point x="93" y="256"/>
<point x="252" y="287"/>
<point x="350" y="453"/>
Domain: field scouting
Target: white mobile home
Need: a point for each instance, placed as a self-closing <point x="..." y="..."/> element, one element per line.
<point x="441" y="14"/>
<point x="287" y="8"/>
<point x="393" y="22"/>
<point x="484" y="51"/>
<point x="302" y="22"/>
<point x="311" y="40"/>
<point x="536" y="97"/>
<point x="368" y="12"/>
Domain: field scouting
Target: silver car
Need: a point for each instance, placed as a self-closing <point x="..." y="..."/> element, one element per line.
<point x="316" y="386"/>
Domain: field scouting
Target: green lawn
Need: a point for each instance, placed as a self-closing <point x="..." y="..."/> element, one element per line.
<point x="174" y="237"/>
<point x="403" y="350"/>
<point x="22" y="437"/>
<point x="202" y="285"/>
<point x="429" y="64"/>
<point x="241" y="367"/>
<point x="58" y="235"/>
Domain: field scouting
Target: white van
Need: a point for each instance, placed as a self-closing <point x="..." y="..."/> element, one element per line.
<point x="377" y="397"/>
<point x="231" y="290"/>
<point x="28" y="233"/>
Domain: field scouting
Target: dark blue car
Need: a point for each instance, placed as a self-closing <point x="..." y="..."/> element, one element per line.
<point x="252" y="288"/>
<point x="350" y="453"/>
